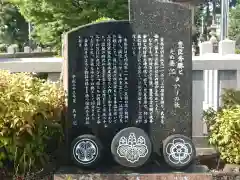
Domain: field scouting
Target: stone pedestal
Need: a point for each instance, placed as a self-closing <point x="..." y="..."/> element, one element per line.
<point x="195" y="172"/>
<point x="170" y="176"/>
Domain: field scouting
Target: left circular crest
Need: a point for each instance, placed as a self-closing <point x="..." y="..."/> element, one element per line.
<point x="86" y="150"/>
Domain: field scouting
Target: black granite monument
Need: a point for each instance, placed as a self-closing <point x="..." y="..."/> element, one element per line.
<point x="130" y="88"/>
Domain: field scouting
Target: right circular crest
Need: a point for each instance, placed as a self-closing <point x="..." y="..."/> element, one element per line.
<point x="178" y="151"/>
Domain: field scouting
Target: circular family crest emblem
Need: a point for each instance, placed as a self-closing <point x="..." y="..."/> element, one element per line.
<point x="178" y="151"/>
<point x="86" y="150"/>
<point x="131" y="147"/>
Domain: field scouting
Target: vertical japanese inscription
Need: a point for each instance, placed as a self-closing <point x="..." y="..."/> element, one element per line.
<point x="92" y="77"/>
<point x="180" y="63"/>
<point x="125" y="69"/>
<point x="120" y="78"/>
<point x="109" y="79"/>
<point x="114" y="78"/>
<point x="74" y="99"/>
<point x="151" y="80"/>
<point x="106" y="79"/>
<point x="156" y="72"/>
<point x="145" y="80"/>
<point x="87" y="83"/>
<point x="175" y="70"/>
<point x="179" y="73"/>
<point x="138" y="39"/>
<point x="104" y="74"/>
<point x="134" y="45"/>
<point x="150" y="77"/>
<point x="98" y="79"/>
<point x="162" y="77"/>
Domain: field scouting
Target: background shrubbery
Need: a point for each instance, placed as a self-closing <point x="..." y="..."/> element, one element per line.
<point x="30" y="117"/>
<point x="237" y="51"/>
<point x="3" y="48"/>
<point x="102" y="19"/>
<point x="224" y="127"/>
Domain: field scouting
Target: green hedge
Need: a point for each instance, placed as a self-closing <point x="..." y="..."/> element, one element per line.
<point x="30" y="116"/>
<point x="224" y="127"/>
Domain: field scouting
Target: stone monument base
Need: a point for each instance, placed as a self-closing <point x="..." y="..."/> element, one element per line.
<point x="117" y="173"/>
<point x="170" y="176"/>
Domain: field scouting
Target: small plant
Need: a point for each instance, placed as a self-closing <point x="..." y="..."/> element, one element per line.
<point x="237" y="51"/>
<point x="225" y="134"/>
<point x="3" y="48"/>
<point x="230" y="98"/>
<point x="224" y="126"/>
<point x="30" y="116"/>
<point x="209" y="117"/>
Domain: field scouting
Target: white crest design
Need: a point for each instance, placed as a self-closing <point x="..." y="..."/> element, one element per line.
<point x="179" y="151"/>
<point x="132" y="149"/>
<point x="85" y="151"/>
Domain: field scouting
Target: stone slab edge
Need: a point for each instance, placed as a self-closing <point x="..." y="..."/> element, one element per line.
<point x="169" y="176"/>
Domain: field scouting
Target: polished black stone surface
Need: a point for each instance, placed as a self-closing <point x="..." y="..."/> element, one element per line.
<point x="132" y="73"/>
<point x="101" y="80"/>
<point x="171" y="21"/>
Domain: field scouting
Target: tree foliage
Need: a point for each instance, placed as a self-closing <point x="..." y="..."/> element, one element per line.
<point x="13" y="27"/>
<point x="51" y="18"/>
<point x="234" y="24"/>
<point x="206" y="11"/>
